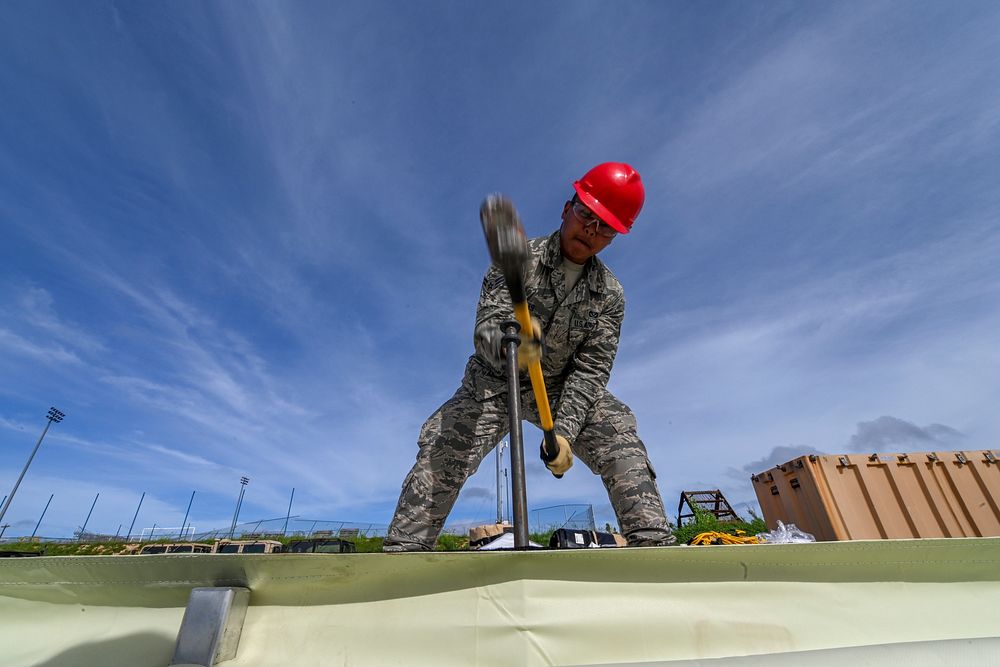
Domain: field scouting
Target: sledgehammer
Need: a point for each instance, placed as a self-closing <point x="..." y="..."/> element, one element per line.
<point x="509" y="252"/>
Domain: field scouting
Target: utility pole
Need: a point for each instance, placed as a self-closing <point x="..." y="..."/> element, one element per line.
<point x="243" y="486"/>
<point x="53" y="416"/>
<point x="500" y="448"/>
<point x="506" y="486"/>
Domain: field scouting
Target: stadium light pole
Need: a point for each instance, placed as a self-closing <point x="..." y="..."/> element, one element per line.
<point x="53" y="416"/>
<point x="288" y="514"/>
<point x="184" y="523"/>
<point x="128" y="537"/>
<point x="43" y="515"/>
<point x="87" y="520"/>
<point x="239" y="501"/>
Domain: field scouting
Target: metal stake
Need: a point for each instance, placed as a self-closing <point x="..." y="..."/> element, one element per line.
<point x="511" y="340"/>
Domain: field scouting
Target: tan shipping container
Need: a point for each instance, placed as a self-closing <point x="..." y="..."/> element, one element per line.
<point x="897" y="496"/>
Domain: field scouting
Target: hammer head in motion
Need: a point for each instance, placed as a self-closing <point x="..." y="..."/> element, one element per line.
<point x="506" y="241"/>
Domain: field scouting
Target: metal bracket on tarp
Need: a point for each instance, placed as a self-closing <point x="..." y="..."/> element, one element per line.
<point x="210" y="630"/>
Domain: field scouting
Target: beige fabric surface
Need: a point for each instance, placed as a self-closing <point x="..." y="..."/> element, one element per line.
<point x="599" y="606"/>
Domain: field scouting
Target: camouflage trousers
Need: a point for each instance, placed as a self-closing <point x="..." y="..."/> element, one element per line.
<point x="455" y="439"/>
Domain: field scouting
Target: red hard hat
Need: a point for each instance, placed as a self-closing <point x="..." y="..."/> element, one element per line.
<point x="612" y="190"/>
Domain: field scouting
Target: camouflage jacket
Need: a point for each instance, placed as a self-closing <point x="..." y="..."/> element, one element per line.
<point x="580" y="330"/>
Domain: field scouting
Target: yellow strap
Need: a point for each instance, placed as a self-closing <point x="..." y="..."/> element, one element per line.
<point x="723" y="538"/>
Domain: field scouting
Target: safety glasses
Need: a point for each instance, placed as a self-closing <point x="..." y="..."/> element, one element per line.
<point x="587" y="217"/>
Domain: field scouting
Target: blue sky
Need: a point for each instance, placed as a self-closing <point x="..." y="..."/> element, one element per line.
<point x="242" y="238"/>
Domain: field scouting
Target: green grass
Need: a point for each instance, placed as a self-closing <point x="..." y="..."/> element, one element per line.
<point x="446" y="542"/>
<point x="704" y="522"/>
<point x="65" y="549"/>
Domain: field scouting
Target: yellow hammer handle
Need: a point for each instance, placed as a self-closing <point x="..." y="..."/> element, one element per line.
<point x="535" y="370"/>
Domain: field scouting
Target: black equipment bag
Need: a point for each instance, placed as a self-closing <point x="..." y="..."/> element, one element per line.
<point x="569" y="538"/>
<point x="572" y="538"/>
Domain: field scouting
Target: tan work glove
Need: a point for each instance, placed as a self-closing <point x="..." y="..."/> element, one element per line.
<point x="530" y="349"/>
<point x="563" y="460"/>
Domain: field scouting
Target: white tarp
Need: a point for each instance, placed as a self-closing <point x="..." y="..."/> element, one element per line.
<point x="505" y="541"/>
<point x="572" y="607"/>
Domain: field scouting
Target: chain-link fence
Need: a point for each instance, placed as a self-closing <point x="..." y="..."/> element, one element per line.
<point x="575" y="517"/>
<point x="294" y="527"/>
<point x="540" y="520"/>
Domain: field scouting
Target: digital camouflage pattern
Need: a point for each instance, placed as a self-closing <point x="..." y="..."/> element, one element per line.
<point x="581" y="331"/>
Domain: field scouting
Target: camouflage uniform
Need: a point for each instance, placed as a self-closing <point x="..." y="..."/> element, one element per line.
<point x="581" y="332"/>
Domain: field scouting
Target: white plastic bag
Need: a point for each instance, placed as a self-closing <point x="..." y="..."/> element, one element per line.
<point x="785" y="534"/>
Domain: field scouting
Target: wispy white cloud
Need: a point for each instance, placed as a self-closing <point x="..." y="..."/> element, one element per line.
<point x="276" y="272"/>
<point x="829" y="101"/>
<point x="35" y="309"/>
<point x="49" y="354"/>
<point x="190" y="459"/>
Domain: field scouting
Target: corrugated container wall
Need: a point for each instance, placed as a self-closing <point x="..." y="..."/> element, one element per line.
<point x="860" y="497"/>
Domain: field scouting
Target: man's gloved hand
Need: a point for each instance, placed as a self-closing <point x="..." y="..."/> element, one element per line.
<point x="530" y="349"/>
<point x="563" y="460"/>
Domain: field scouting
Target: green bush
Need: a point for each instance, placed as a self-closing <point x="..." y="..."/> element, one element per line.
<point x="706" y="522"/>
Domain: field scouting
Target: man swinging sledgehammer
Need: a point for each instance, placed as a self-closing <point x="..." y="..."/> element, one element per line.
<point x="579" y="305"/>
